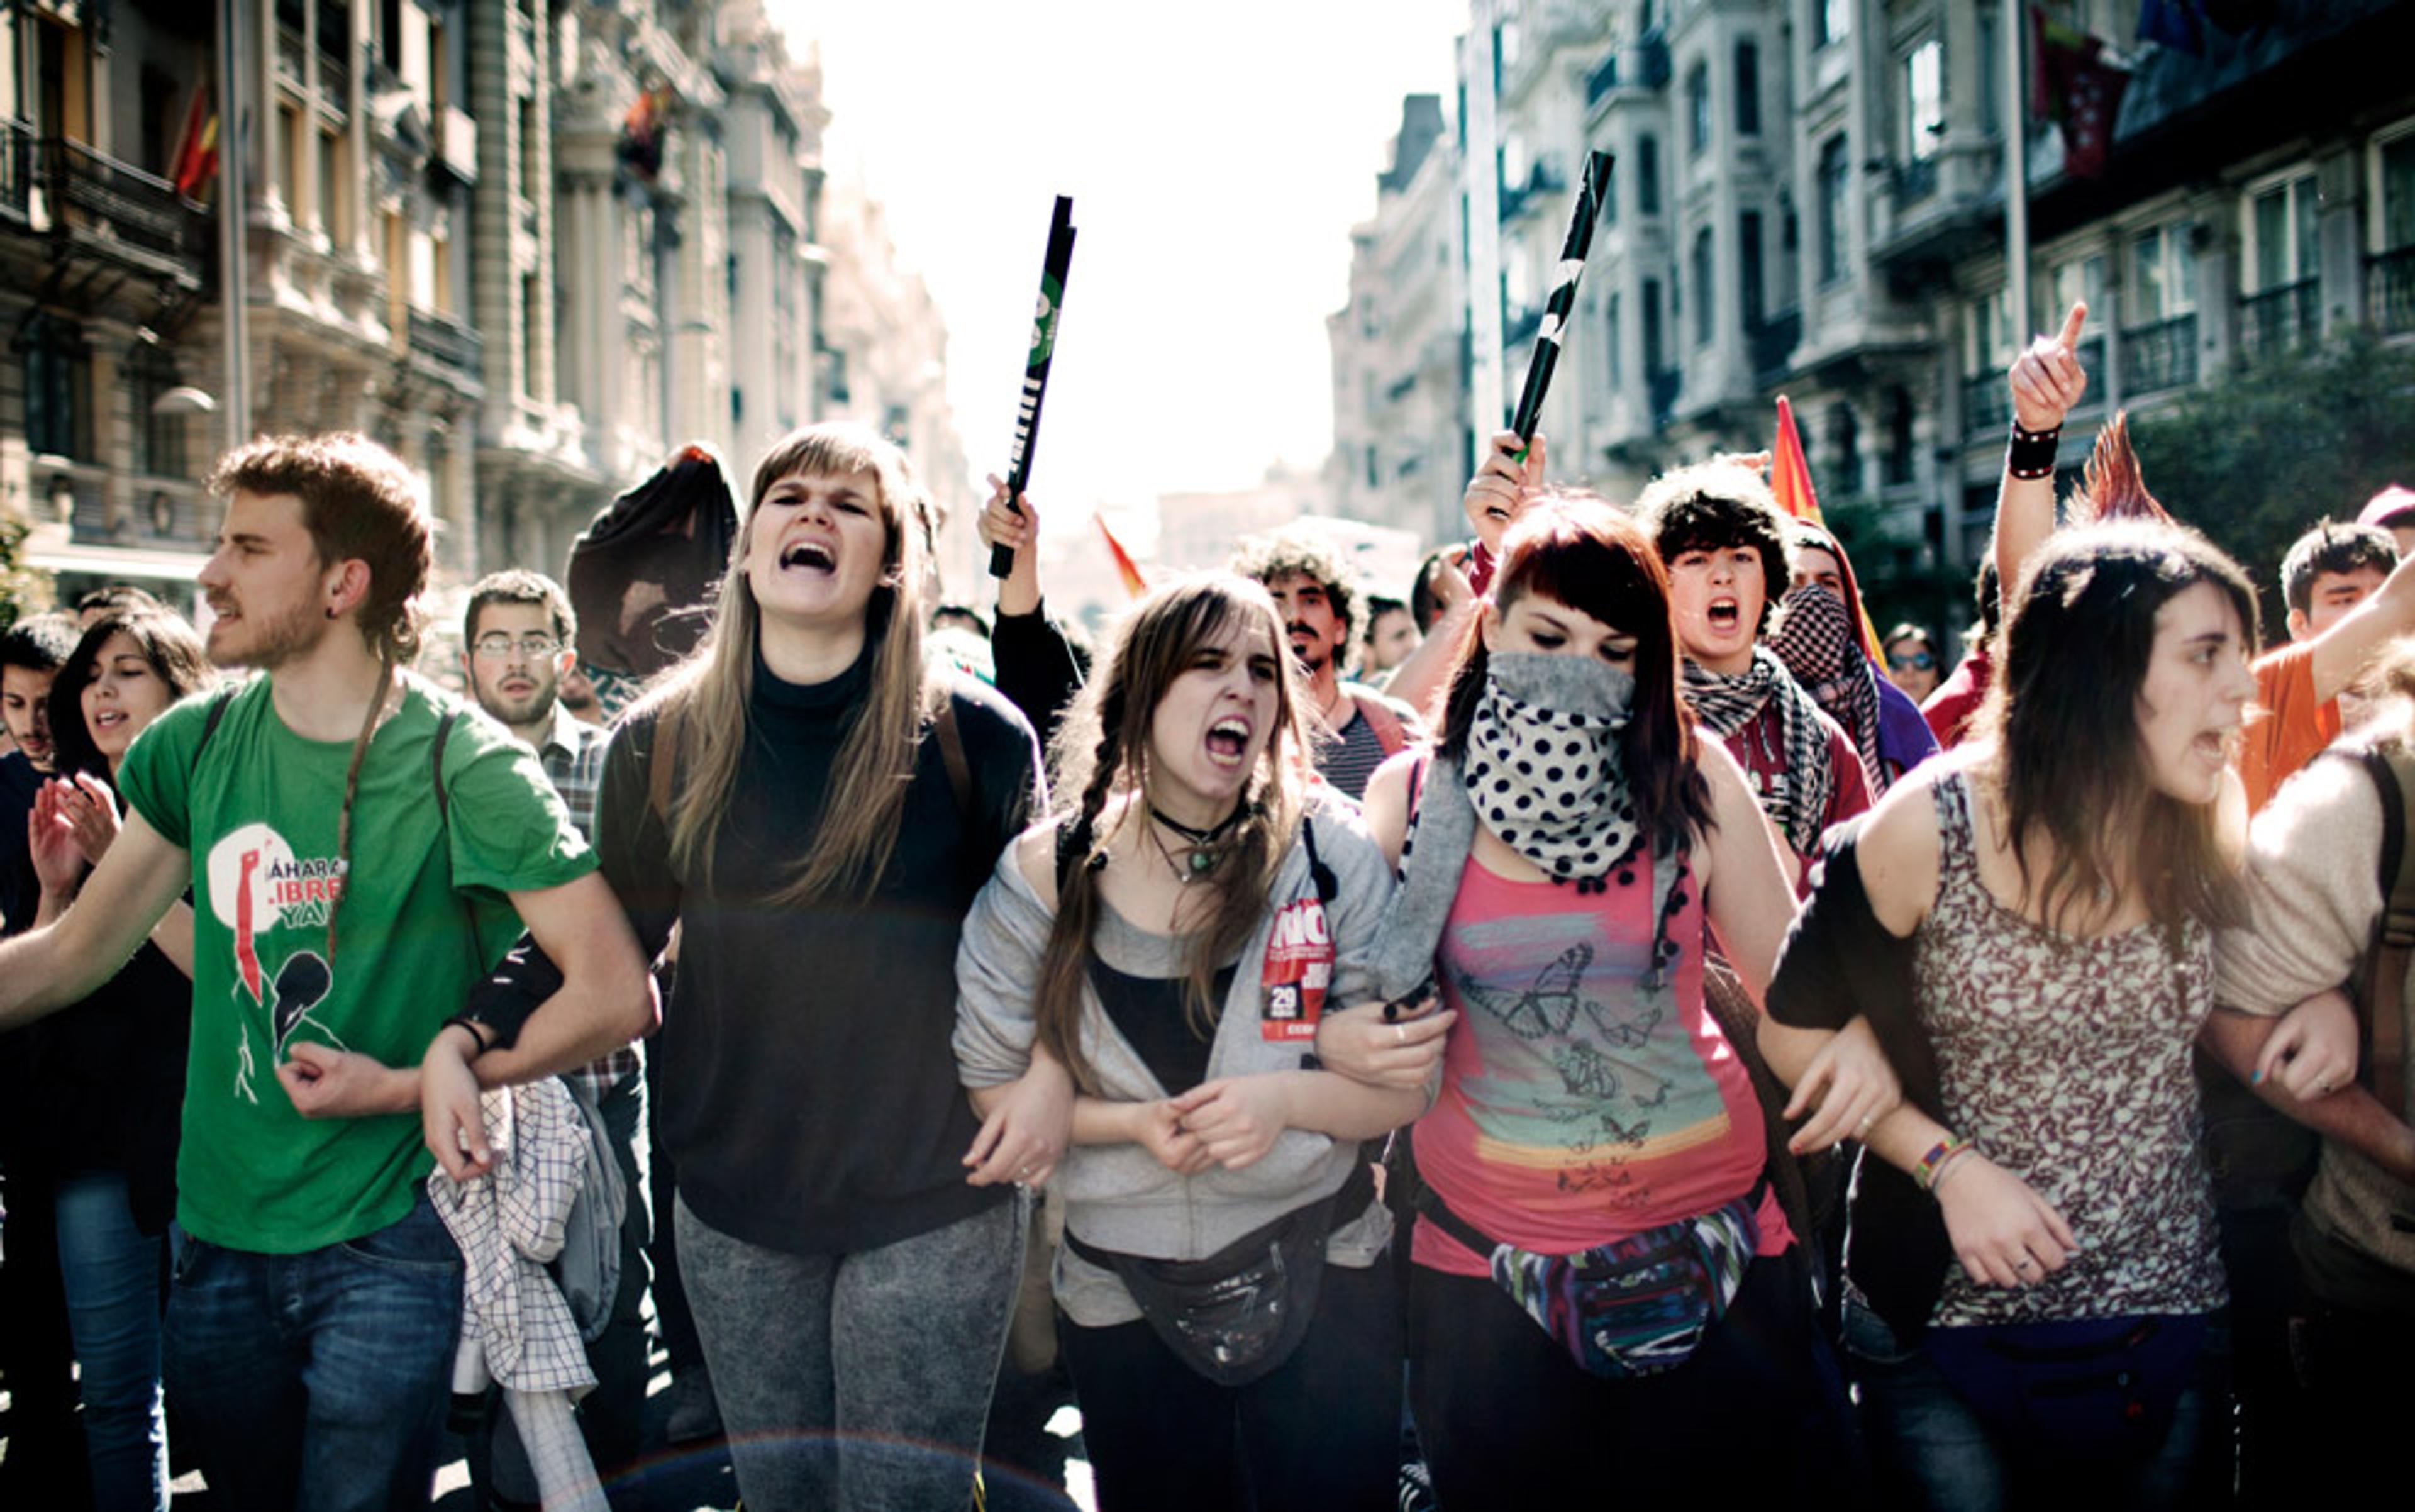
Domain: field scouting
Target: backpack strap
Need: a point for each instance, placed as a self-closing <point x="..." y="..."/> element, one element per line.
<point x="1328" y="889"/>
<point x="2384" y="985"/>
<point x="952" y="752"/>
<point x="663" y="763"/>
<point x="436" y="764"/>
<point x="210" y="723"/>
<point x="1390" y="733"/>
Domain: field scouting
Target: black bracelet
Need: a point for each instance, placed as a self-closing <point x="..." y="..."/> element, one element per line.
<point x="478" y="1031"/>
<point x="2031" y="453"/>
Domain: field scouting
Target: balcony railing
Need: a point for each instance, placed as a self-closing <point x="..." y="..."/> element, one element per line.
<point x="2091" y="360"/>
<point x="1773" y="342"/>
<point x="1543" y="181"/>
<point x="1603" y="79"/>
<point x="105" y="205"/>
<point x="446" y="342"/>
<point x="1652" y="59"/>
<point x="1985" y="404"/>
<point x="335" y="82"/>
<point x="16" y="169"/>
<point x="1663" y="389"/>
<point x="2390" y="284"/>
<point x="1914" y="181"/>
<point x="2159" y="356"/>
<point x="2279" y="319"/>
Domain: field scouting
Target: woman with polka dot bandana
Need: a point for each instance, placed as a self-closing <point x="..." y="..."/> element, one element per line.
<point x="1566" y="850"/>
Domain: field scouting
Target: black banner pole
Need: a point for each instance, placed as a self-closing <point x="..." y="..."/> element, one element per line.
<point x="1053" y="269"/>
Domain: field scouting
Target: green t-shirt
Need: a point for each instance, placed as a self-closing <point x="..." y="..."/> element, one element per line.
<point x="258" y="808"/>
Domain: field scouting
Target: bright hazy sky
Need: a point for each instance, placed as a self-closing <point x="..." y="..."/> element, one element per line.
<point x="1217" y="155"/>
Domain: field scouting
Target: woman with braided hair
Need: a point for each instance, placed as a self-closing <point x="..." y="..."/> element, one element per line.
<point x="1163" y="953"/>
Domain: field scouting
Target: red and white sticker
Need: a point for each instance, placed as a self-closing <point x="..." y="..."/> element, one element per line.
<point x="1298" y="970"/>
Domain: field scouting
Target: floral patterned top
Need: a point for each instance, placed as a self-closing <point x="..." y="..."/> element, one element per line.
<point x="2066" y="1061"/>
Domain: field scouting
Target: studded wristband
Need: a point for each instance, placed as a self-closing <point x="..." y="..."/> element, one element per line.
<point x="2031" y="453"/>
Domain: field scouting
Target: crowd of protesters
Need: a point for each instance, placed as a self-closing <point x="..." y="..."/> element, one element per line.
<point x="1601" y="1019"/>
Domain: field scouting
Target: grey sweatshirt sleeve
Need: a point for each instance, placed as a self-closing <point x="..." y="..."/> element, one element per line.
<point x="1362" y="884"/>
<point x="997" y="968"/>
<point x="2313" y="890"/>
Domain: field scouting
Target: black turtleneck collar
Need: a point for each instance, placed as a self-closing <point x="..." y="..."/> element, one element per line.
<point x="811" y="700"/>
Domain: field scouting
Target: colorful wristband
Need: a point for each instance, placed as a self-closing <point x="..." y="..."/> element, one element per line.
<point x="1940" y="1155"/>
<point x="1936" y="1179"/>
<point x="2031" y="453"/>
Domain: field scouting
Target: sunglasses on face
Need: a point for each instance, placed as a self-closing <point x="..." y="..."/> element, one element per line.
<point x="1917" y="661"/>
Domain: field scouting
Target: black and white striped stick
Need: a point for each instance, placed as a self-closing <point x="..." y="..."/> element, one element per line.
<point x="1564" y="295"/>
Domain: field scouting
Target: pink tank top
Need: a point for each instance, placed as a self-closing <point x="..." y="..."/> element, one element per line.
<point x="1577" y="1107"/>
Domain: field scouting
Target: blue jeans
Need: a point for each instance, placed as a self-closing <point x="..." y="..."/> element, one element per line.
<point x="1929" y="1449"/>
<point x="319" y="1380"/>
<point x="112" y="1271"/>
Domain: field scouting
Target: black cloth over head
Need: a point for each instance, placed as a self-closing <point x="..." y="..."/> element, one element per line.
<point x="642" y="577"/>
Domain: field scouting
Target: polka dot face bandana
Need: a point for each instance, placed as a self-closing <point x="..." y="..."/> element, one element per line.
<point x="1544" y="769"/>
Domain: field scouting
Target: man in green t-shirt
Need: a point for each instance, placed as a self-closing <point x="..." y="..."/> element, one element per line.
<point x="358" y="845"/>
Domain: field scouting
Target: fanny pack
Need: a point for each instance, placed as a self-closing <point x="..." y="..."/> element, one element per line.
<point x="1634" y="1307"/>
<point x="1237" y="1315"/>
<point x="2092" y="1390"/>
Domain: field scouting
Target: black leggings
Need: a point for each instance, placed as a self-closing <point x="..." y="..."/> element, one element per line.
<point x="1321" y="1432"/>
<point x="1757" y="1416"/>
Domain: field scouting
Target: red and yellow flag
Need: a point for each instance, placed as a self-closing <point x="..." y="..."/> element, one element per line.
<point x="1789" y="479"/>
<point x="197" y="147"/>
<point x="1134" y="583"/>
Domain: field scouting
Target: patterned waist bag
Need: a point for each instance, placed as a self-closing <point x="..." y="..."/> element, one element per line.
<point x="1634" y="1307"/>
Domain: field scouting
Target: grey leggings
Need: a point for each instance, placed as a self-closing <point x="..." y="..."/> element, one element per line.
<point x="858" y="1381"/>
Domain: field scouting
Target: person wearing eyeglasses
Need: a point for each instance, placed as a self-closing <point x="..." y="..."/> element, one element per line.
<point x="520" y="637"/>
<point x="1912" y="662"/>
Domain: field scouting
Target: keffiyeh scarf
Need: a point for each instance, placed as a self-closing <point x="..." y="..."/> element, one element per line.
<point x="1727" y="703"/>
<point x="1815" y="639"/>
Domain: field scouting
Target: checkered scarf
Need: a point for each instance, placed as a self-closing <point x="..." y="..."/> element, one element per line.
<point x="1798" y="802"/>
<point x="1815" y="639"/>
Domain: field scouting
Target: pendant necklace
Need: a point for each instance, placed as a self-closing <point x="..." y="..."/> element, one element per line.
<point x="1204" y="849"/>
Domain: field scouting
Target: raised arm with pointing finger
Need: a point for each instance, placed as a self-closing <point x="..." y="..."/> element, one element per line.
<point x="2048" y="384"/>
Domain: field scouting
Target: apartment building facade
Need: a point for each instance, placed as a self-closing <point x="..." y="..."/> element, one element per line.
<point x="1808" y="199"/>
<point x="515" y="240"/>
